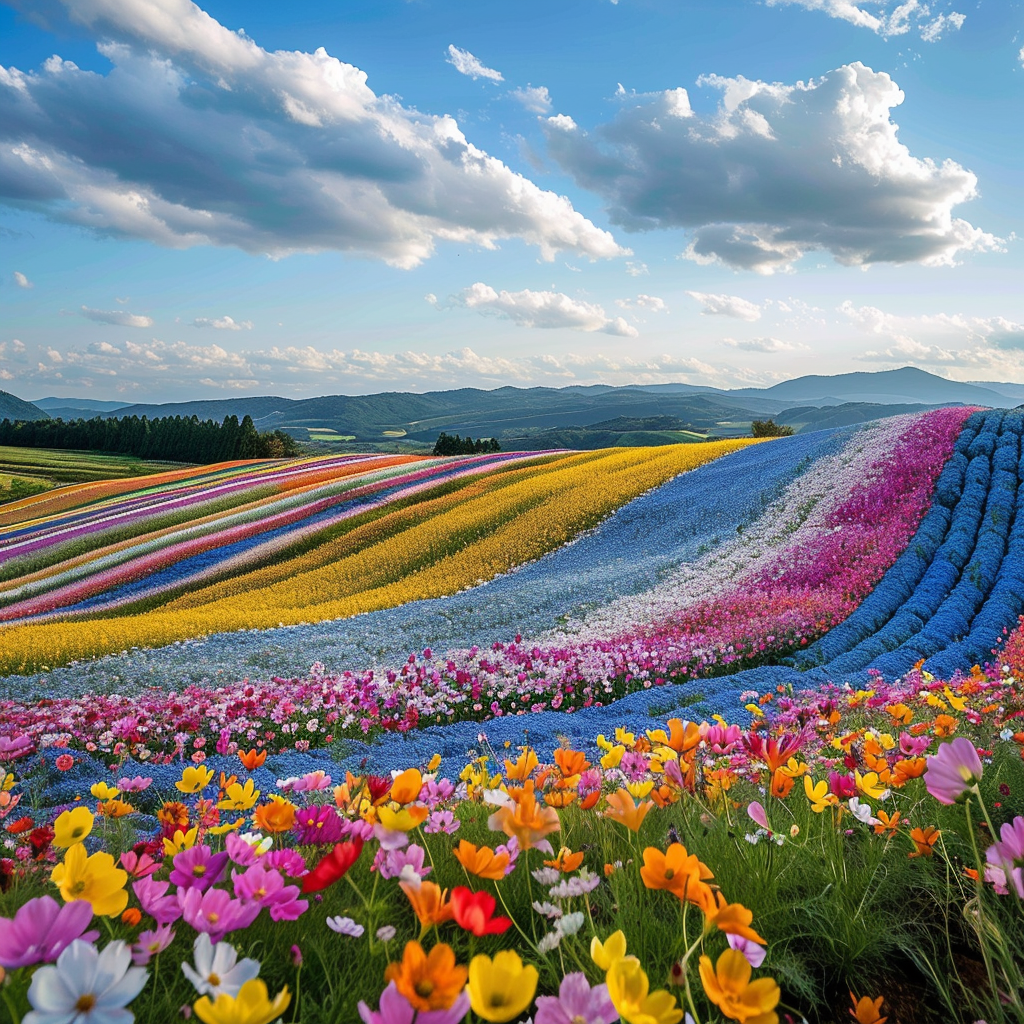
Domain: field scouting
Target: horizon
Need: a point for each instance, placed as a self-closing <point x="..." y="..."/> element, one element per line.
<point x="229" y="200"/>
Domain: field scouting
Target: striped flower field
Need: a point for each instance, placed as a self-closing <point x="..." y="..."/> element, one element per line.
<point x="676" y="716"/>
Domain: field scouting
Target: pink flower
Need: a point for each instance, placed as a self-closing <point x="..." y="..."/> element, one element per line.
<point x="41" y="930"/>
<point x="952" y="770"/>
<point x="215" y="912"/>
<point x="396" y="1009"/>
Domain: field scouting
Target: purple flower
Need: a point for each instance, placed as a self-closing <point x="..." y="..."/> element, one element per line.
<point x="952" y="770"/>
<point x="41" y="930"/>
<point x="150" y="943"/>
<point x="153" y="898"/>
<point x="754" y="953"/>
<point x="576" y="1003"/>
<point x="1007" y="855"/>
<point x="317" y="824"/>
<point x="215" y="912"/>
<point x="198" y="867"/>
<point x="441" y="821"/>
<point x="396" y="1009"/>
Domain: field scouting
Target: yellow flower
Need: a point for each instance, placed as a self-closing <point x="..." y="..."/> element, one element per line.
<point x="604" y="954"/>
<point x="819" y="795"/>
<point x="194" y="778"/>
<point x="238" y="797"/>
<point x="252" y="1005"/>
<point x="629" y="991"/>
<point x="729" y="987"/>
<point x="81" y="877"/>
<point x="72" y="827"/>
<point x="502" y="988"/>
<point x="869" y="785"/>
<point x="404" y="820"/>
<point x="102" y="791"/>
<point x="180" y="841"/>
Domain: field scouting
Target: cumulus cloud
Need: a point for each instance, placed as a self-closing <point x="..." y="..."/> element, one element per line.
<point x="466" y="64"/>
<point x="21" y="280"/>
<point x="118" y="317"/>
<point x="198" y="136"/>
<point x="891" y="17"/>
<point x="222" y="323"/>
<point x="651" y="302"/>
<point x="726" y="305"/>
<point x="535" y="98"/>
<point x="775" y="172"/>
<point x="542" y="309"/>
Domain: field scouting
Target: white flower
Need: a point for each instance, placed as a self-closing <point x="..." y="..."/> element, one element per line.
<point x="86" y="986"/>
<point x="345" y="926"/>
<point x="218" y="970"/>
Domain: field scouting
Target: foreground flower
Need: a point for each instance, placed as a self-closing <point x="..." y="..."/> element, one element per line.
<point x="428" y="981"/>
<point x="396" y="1009"/>
<point x="952" y="770"/>
<point x="41" y="930"/>
<point x="85" y="986"/>
<point x="218" y="971"/>
<point x="502" y="988"/>
<point x="630" y="993"/>
<point x="81" y="877"/>
<point x="72" y="827"/>
<point x="474" y="911"/>
<point x="252" y="1005"/>
<point x="576" y="1003"/>
<point x="729" y="987"/>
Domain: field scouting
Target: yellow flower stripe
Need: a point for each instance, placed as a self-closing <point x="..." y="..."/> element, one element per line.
<point x="503" y="521"/>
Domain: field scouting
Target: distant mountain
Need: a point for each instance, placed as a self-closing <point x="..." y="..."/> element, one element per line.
<point x="907" y="385"/>
<point x="12" y="408"/>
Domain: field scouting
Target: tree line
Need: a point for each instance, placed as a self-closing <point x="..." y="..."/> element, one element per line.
<point x="167" y="438"/>
<point x="449" y="444"/>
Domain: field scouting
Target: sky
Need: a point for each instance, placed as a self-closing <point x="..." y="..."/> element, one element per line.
<point x="356" y="196"/>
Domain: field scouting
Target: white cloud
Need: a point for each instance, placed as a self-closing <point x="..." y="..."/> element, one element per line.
<point x="466" y="64"/>
<point x="223" y="323"/>
<point x="542" y="309"/>
<point x="726" y="305"/>
<point x="535" y="98"/>
<point x="777" y="171"/>
<point x="651" y="302"/>
<point x="761" y="345"/>
<point x="893" y="17"/>
<point x="21" y="280"/>
<point x="198" y="136"/>
<point x="118" y="317"/>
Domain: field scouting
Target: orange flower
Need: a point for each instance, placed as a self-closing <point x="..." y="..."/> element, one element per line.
<point x="276" y="816"/>
<point x="526" y="819"/>
<point x="252" y="759"/>
<point x="866" y="1010"/>
<point x="733" y="919"/>
<point x="566" y="861"/>
<point x="681" y="873"/>
<point x="924" y="840"/>
<point x="571" y="762"/>
<point x="886" y="823"/>
<point x="622" y="809"/>
<point x="523" y="767"/>
<point x="407" y="786"/>
<point x="429" y="902"/>
<point x="481" y="861"/>
<point x="428" y="981"/>
<point x="131" y="916"/>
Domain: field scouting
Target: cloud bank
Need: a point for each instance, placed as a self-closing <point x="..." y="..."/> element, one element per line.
<point x="776" y="172"/>
<point x="198" y="136"/>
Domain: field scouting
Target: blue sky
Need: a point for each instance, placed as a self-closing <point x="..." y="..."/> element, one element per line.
<point x="313" y="198"/>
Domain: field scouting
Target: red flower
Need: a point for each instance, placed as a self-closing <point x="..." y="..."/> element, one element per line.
<point x="474" y="911"/>
<point x="333" y="866"/>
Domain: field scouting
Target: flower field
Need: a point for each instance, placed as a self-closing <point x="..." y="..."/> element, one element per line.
<point x="724" y="732"/>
